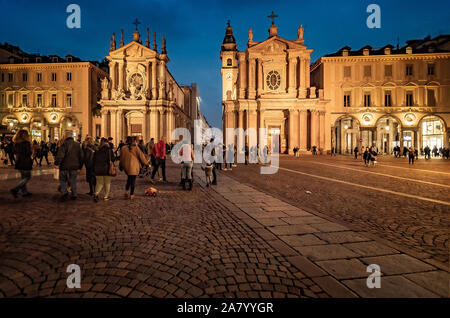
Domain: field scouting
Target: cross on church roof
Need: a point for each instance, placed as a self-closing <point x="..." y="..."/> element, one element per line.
<point x="228" y="23"/>
<point x="273" y="16"/>
<point x="136" y="23"/>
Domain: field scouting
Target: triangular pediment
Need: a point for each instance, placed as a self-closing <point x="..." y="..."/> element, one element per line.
<point x="275" y="44"/>
<point x="133" y="49"/>
<point x="367" y="85"/>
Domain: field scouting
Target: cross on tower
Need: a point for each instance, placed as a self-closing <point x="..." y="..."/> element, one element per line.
<point x="228" y="23"/>
<point x="273" y="16"/>
<point x="136" y="23"/>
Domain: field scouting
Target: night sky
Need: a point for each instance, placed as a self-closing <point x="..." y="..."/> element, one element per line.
<point x="195" y="29"/>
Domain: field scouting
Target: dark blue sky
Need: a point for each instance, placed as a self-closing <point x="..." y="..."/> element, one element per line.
<point x="195" y="29"/>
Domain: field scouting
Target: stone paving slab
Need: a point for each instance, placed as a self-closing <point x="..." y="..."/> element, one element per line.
<point x="391" y="287"/>
<point x="335" y="257"/>
<point x="398" y="264"/>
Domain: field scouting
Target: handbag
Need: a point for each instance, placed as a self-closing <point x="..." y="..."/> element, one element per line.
<point x="112" y="168"/>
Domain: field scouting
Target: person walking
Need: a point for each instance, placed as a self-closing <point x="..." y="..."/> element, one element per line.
<point x="89" y="152"/>
<point x="44" y="153"/>
<point x="355" y="151"/>
<point x="373" y="156"/>
<point x="366" y="156"/>
<point x="131" y="159"/>
<point x="411" y="155"/>
<point x="103" y="158"/>
<point x="187" y="160"/>
<point x="36" y="150"/>
<point x="159" y="151"/>
<point x="9" y="149"/>
<point x="23" y="162"/>
<point x="69" y="160"/>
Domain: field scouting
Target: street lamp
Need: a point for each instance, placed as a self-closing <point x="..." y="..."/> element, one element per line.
<point x="346" y="127"/>
<point x="387" y="128"/>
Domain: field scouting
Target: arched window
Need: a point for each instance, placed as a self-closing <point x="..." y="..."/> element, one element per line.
<point x="229" y="62"/>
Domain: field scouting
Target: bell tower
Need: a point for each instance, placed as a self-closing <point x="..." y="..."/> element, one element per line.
<point x="229" y="70"/>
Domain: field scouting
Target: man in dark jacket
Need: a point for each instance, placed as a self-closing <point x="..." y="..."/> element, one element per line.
<point x="69" y="159"/>
<point x="23" y="163"/>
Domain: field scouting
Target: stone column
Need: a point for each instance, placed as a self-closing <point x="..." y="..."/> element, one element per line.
<point x="251" y="79"/>
<point x="322" y="130"/>
<point x="154" y="81"/>
<point x="292" y="65"/>
<point x="260" y="78"/>
<point x="120" y="133"/>
<point x="144" y="125"/>
<point x="314" y="128"/>
<point x="149" y="77"/>
<point x="293" y="131"/>
<point x="112" y="72"/>
<point x="308" y="74"/>
<point x="121" y="82"/>
<point x="302" y="85"/>
<point x="242" y="76"/>
<point x="303" y="131"/>
<point x="153" y="124"/>
<point x="113" y="131"/>
<point x="162" y="80"/>
<point x="104" y="123"/>
<point x="161" y="122"/>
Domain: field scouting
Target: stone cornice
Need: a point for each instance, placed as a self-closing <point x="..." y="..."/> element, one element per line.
<point x="393" y="57"/>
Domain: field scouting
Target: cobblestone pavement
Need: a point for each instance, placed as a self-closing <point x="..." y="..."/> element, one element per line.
<point x="414" y="224"/>
<point x="179" y="244"/>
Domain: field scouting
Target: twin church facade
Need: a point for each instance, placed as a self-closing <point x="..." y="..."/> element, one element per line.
<point x="383" y="97"/>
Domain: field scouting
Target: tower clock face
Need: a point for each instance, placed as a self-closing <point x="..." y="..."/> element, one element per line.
<point x="273" y="80"/>
<point x="229" y="76"/>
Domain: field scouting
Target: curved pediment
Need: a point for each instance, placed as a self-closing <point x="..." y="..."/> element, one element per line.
<point x="389" y="84"/>
<point x="368" y="85"/>
<point x="433" y="83"/>
<point x="411" y="84"/>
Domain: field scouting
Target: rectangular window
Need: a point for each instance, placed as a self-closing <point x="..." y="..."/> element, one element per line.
<point x="347" y="100"/>
<point x="24" y="77"/>
<point x="388" y="70"/>
<point x="69" y="76"/>
<point x="430" y="69"/>
<point x="24" y="100"/>
<point x="347" y="71"/>
<point x="2" y="102"/>
<point x="3" y="77"/>
<point x="39" y="77"/>
<point x="39" y="100"/>
<point x="10" y="77"/>
<point x="367" y="100"/>
<point x="431" y="97"/>
<point x="53" y="100"/>
<point x="409" y="70"/>
<point x="387" y="99"/>
<point x="409" y="99"/>
<point x="53" y="77"/>
<point x="367" y="71"/>
<point x="69" y="100"/>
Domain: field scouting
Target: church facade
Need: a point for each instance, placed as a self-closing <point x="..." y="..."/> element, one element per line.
<point x="268" y="86"/>
<point x="140" y="96"/>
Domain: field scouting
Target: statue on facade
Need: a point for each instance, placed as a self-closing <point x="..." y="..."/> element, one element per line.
<point x="300" y="32"/>
<point x="105" y="88"/>
<point x="171" y="90"/>
<point x="250" y="35"/>
<point x="113" y="43"/>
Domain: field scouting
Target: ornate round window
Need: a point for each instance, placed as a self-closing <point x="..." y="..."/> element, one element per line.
<point x="273" y="80"/>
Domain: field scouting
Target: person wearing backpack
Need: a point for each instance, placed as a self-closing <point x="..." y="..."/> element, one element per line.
<point x="69" y="160"/>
